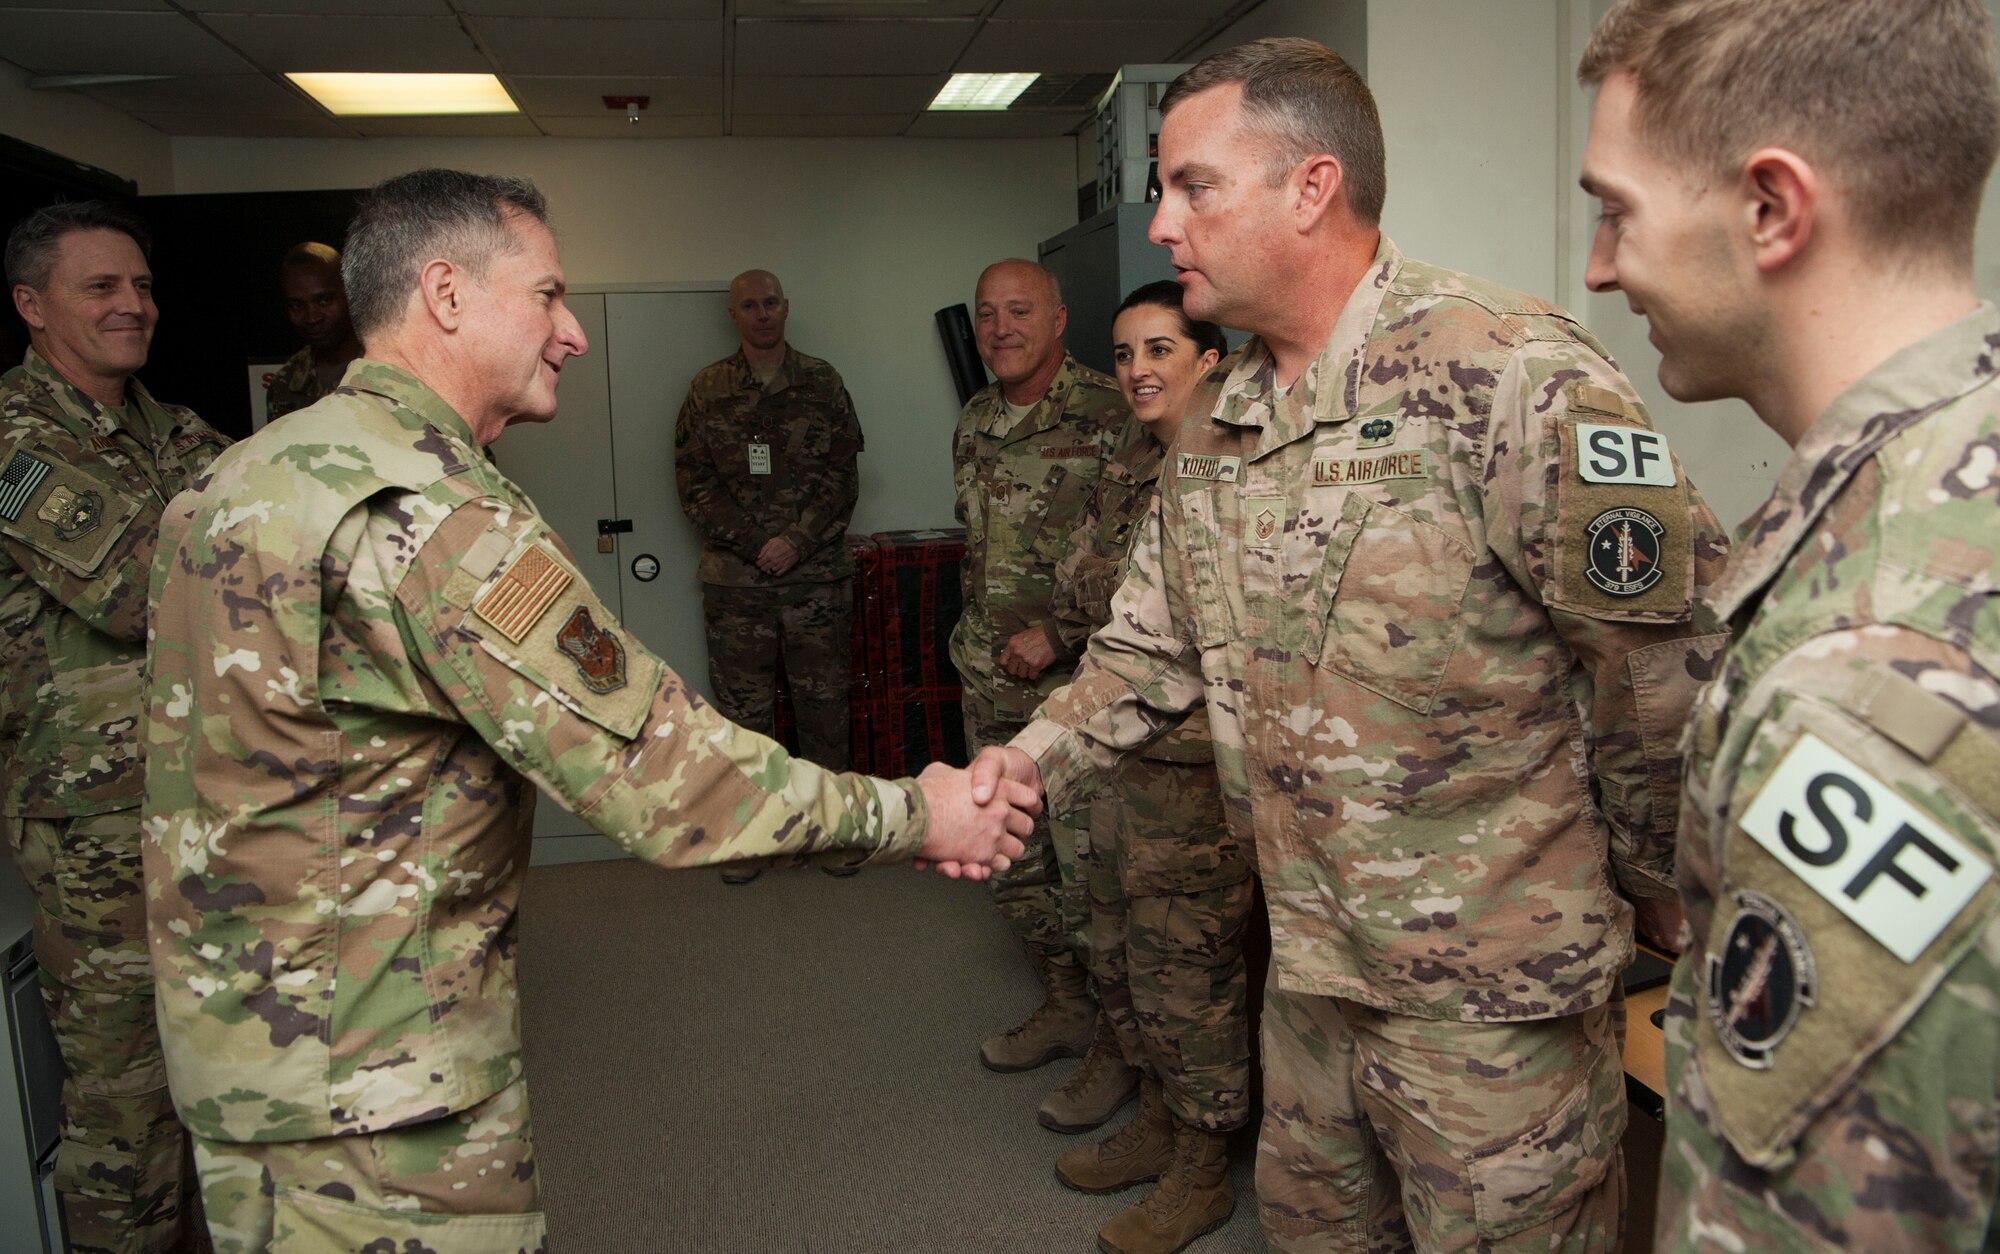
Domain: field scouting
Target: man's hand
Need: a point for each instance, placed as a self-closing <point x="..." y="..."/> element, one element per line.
<point x="973" y="838"/>
<point x="777" y="556"/>
<point x="1027" y="653"/>
<point x="1002" y="763"/>
<point x="1660" y="921"/>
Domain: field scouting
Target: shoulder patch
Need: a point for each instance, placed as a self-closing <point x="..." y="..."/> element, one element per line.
<point x="62" y="512"/>
<point x="23" y="474"/>
<point x="1608" y="454"/>
<point x="522" y="593"/>
<point x="1759" y="980"/>
<point x="1622" y="533"/>
<point x="1882" y="862"/>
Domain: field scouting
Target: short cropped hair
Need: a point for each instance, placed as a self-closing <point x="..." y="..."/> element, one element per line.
<point x="1894" y="100"/>
<point x="309" y="254"/>
<point x="1303" y="100"/>
<point x="1167" y="294"/>
<point x="31" y="245"/>
<point x="407" y="221"/>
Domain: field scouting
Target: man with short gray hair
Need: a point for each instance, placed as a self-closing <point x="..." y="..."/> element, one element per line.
<point x="370" y="648"/>
<point x="88" y="460"/>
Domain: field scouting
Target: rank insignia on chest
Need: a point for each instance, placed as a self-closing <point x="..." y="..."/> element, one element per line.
<point x="71" y="514"/>
<point x="18" y="482"/>
<point x="1264" y="519"/>
<point x="598" y="655"/>
<point x="522" y="593"/>
<point x="1377" y="431"/>
<point x="1624" y="551"/>
<point x="1208" y="466"/>
<point x="1759" y="979"/>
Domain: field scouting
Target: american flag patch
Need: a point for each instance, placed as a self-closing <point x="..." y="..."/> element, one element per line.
<point x="18" y="482"/>
<point x="521" y="593"/>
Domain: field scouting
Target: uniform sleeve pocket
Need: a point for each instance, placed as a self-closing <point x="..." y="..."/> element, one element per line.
<point x="62" y="513"/>
<point x="1394" y="622"/>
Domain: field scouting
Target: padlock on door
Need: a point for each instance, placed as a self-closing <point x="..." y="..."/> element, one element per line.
<point x="607" y="528"/>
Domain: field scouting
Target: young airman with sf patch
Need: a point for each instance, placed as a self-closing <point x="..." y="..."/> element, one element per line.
<point x="1789" y="192"/>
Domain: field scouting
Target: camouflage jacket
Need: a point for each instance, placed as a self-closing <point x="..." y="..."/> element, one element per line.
<point x="1419" y="624"/>
<point x="293" y="385"/>
<point x="1832" y="1033"/>
<point x="802" y="487"/>
<point x="1090" y="572"/>
<point x="81" y="491"/>
<point x="1022" y="486"/>
<point x="366" y="638"/>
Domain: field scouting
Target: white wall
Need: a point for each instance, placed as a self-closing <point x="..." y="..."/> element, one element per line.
<point x="870" y="237"/>
<point x="83" y="130"/>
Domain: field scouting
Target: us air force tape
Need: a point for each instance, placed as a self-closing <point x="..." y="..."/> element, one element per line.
<point x="1621" y="512"/>
<point x="62" y="512"/>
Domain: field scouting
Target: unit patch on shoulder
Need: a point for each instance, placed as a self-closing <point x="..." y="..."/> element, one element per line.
<point x="1637" y="455"/>
<point x="598" y="655"/>
<point x="1891" y="868"/>
<point x="1759" y="979"/>
<point x="24" y="473"/>
<point x="71" y="514"/>
<point x="519" y="597"/>
<point x="1624" y="551"/>
<point x="1207" y="466"/>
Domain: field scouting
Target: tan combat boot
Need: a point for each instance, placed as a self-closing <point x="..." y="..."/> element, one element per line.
<point x="1135" y="1154"/>
<point x="1194" y="1196"/>
<point x="1100" y="1086"/>
<point x="1058" y="1028"/>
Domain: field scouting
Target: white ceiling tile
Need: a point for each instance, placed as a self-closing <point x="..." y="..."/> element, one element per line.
<point x="324" y="8"/>
<point x="583" y="96"/>
<point x="48" y="42"/>
<point x="861" y="93"/>
<point x="863" y="8"/>
<point x="648" y="128"/>
<point x="379" y="44"/>
<point x="212" y="94"/>
<point x="447" y="128"/>
<point x="245" y="125"/>
<point x="603" y="46"/>
<point x="1115" y="10"/>
<point x="1002" y="125"/>
<point x="1074" y="47"/>
<point x="850" y="47"/>
<point x="821" y="124"/>
<point x="679" y="10"/>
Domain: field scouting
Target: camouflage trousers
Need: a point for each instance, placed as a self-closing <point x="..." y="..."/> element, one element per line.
<point x="1041" y="895"/>
<point x="1170" y="898"/>
<point x="1383" y="1132"/>
<point x="120" y="1170"/>
<point x="807" y="629"/>
<point x="463" y="1184"/>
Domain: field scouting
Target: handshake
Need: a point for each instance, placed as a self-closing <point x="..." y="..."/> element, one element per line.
<point x="980" y="815"/>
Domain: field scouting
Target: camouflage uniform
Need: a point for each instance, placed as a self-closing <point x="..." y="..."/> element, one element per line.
<point x="1170" y="888"/>
<point x="1831" y="1034"/>
<point x="1420" y="627"/>
<point x="294" y="385"/>
<point x="79" y="515"/>
<point x="1022" y="486"/>
<point x="802" y="488"/>
<point x="366" y="640"/>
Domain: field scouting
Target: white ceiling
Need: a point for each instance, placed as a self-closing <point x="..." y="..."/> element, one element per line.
<point x="711" y="67"/>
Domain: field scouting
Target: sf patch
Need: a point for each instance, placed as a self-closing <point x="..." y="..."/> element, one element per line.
<point x="71" y="514"/>
<point x="598" y="655"/>
<point x="1623" y="551"/>
<point x="1759" y="980"/>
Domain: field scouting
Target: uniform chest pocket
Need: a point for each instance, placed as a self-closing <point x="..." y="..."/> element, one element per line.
<point x="1053" y="510"/>
<point x="1394" y="619"/>
<point x="1199" y="543"/>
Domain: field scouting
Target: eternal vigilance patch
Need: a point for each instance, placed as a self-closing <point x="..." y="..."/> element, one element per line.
<point x="1759" y="980"/>
<point x="1624" y="551"/>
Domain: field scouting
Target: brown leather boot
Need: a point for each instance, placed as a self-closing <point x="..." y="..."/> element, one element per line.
<point x="1097" y="1089"/>
<point x="1058" y="1028"/>
<point x="1135" y="1154"/>
<point x="1194" y="1197"/>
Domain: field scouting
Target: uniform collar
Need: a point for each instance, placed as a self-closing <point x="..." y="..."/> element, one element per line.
<point x="745" y="375"/>
<point x="1327" y="390"/>
<point x="142" y="419"/>
<point x="1045" y="413"/>
<point x="1899" y="394"/>
<point x="409" y="395"/>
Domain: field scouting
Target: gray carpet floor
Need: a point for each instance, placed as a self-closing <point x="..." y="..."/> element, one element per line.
<point x="792" y="1066"/>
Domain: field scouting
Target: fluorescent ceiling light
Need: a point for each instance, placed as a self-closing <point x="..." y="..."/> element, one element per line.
<point x="967" y="92"/>
<point x="406" y="95"/>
